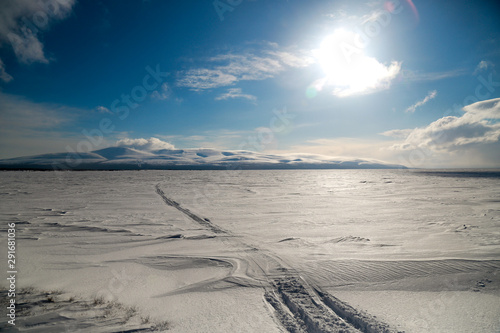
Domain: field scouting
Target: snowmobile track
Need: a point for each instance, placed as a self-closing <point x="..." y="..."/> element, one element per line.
<point x="299" y="306"/>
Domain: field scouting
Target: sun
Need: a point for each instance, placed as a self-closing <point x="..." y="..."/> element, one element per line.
<point x="347" y="68"/>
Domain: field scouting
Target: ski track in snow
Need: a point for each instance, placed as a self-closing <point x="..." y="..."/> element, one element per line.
<point x="299" y="305"/>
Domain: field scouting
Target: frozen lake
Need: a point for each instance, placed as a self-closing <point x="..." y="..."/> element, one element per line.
<point x="211" y="251"/>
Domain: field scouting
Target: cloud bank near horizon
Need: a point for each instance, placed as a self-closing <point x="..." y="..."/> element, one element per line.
<point x="478" y="125"/>
<point x="144" y="144"/>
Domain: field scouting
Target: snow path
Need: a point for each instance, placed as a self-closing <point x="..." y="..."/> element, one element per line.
<point x="299" y="305"/>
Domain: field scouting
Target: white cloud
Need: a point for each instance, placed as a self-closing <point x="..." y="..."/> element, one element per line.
<point x="489" y="109"/>
<point x="163" y="93"/>
<point x="203" y="78"/>
<point x="479" y="125"/>
<point x="22" y="21"/>
<point x="482" y="66"/>
<point x="369" y="76"/>
<point x="432" y="94"/>
<point x="227" y="69"/>
<point x="470" y="141"/>
<point x="4" y="76"/>
<point x="27" y="48"/>
<point x="348" y="70"/>
<point x="144" y="144"/>
<point x="397" y="133"/>
<point x="235" y="93"/>
<point x="103" y="109"/>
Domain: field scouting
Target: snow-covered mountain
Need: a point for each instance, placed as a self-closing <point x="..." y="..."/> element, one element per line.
<point x="126" y="158"/>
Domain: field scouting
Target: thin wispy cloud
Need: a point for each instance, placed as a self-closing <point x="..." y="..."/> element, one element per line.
<point x="23" y="21"/>
<point x="432" y="94"/>
<point x="228" y="69"/>
<point x="220" y="138"/>
<point x="35" y="127"/>
<point x="482" y="66"/>
<point x="235" y="93"/>
<point x="345" y="147"/>
<point x="432" y="76"/>
<point x="103" y="109"/>
<point x="163" y="93"/>
<point x="370" y="13"/>
<point x="20" y="113"/>
<point x="397" y="133"/>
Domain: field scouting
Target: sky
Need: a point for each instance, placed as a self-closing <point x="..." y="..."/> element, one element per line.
<point x="409" y="82"/>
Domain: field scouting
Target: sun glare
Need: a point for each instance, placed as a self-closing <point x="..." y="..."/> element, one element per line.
<point x="347" y="68"/>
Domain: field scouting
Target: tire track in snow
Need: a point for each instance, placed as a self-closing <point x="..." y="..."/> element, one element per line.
<point x="299" y="306"/>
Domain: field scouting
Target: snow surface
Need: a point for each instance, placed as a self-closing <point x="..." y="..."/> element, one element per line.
<point x="119" y="158"/>
<point x="261" y="250"/>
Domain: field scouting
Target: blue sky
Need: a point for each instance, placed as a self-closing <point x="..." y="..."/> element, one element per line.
<point x="408" y="82"/>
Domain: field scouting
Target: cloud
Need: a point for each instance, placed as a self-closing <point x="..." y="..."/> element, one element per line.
<point x="4" y="76"/>
<point x="219" y="138"/>
<point x="471" y="140"/>
<point x="370" y="13"/>
<point x="397" y="133"/>
<point x="235" y="93"/>
<point x="227" y="69"/>
<point x="482" y="66"/>
<point x="370" y="76"/>
<point x="479" y="125"/>
<point x="163" y="93"/>
<point x="19" y="113"/>
<point x="22" y="21"/>
<point x="144" y="144"/>
<point x="27" y="48"/>
<point x="409" y="75"/>
<point x="103" y="109"/>
<point x="202" y="78"/>
<point x="432" y="94"/>
<point x="347" y="148"/>
<point x="489" y="109"/>
<point x="27" y="127"/>
<point x="348" y="70"/>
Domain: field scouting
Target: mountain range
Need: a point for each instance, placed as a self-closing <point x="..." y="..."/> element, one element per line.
<point x="126" y="158"/>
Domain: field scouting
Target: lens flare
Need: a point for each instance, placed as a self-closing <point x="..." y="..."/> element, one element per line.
<point x="414" y="10"/>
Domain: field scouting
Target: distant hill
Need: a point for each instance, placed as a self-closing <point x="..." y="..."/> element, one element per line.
<point x="125" y="158"/>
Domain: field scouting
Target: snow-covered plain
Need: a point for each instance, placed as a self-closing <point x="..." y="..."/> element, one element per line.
<point x="261" y="251"/>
